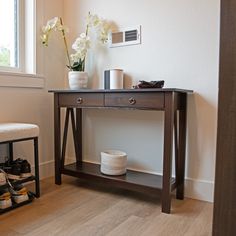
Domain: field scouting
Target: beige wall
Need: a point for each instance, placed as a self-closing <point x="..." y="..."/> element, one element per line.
<point x="180" y="44"/>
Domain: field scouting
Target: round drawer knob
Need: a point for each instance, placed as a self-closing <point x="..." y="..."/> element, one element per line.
<point x="132" y="101"/>
<point x="79" y="100"/>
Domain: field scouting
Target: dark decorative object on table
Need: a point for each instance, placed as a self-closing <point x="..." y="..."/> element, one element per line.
<point x="152" y="84"/>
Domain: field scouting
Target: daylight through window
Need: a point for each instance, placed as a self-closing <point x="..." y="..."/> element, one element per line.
<point x="9" y="41"/>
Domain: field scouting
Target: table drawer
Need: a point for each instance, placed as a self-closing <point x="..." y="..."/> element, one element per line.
<point x="81" y="100"/>
<point x="135" y="100"/>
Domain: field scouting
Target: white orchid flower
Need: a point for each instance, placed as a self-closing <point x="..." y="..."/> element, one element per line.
<point x="102" y="30"/>
<point x="54" y="23"/>
<point x="92" y="20"/>
<point x="83" y="35"/>
<point x="82" y="44"/>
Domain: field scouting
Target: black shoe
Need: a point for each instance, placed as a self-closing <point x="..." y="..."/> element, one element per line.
<point x="25" y="169"/>
<point x="15" y="171"/>
<point x="19" y="168"/>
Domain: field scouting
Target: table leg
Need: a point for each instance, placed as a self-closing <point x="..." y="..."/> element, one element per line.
<point x="64" y="141"/>
<point x="182" y="147"/>
<point x="57" y="139"/>
<point x="77" y="133"/>
<point x="176" y="142"/>
<point x="167" y="158"/>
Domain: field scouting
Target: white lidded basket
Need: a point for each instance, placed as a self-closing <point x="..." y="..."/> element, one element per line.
<point x="113" y="162"/>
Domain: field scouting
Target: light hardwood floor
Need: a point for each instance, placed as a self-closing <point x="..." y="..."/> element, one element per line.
<point x="78" y="208"/>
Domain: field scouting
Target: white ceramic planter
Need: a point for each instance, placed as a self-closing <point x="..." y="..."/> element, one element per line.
<point x="78" y="79"/>
<point x="113" y="162"/>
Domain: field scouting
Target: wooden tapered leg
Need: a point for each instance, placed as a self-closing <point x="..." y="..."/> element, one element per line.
<point x="57" y="139"/>
<point x="78" y="149"/>
<point x="182" y="147"/>
<point x="65" y="137"/>
<point x="79" y="134"/>
<point x="176" y="142"/>
<point x="167" y="158"/>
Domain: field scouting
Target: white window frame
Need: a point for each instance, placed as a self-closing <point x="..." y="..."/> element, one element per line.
<point x="26" y="74"/>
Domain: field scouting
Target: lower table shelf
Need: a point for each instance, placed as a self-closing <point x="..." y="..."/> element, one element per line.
<point x="132" y="180"/>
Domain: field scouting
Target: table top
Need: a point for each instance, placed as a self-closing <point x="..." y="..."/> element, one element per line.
<point x="120" y="90"/>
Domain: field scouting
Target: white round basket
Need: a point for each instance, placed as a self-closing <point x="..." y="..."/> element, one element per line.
<point x="113" y="162"/>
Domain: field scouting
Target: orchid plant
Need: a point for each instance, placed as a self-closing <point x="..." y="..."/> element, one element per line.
<point x="76" y="61"/>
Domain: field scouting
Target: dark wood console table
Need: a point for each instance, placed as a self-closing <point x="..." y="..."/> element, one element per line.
<point x="171" y="101"/>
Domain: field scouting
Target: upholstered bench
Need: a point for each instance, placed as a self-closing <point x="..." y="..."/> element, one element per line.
<point x="17" y="132"/>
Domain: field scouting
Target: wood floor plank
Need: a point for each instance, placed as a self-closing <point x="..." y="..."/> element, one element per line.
<point x="202" y="223"/>
<point x="67" y="223"/>
<point x="175" y="223"/>
<point x="131" y="227"/>
<point x="50" y="206"/>
<point x="8" y="232"/>
<point x="107" y="220"/>
<point x="80" y="208"/>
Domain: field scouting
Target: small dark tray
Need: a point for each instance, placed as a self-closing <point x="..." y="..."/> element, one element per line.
<point x="152" y="84"/>
<point x="16" y="205"/>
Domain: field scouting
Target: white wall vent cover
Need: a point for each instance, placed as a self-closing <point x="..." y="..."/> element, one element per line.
<point x="128" y="36"/>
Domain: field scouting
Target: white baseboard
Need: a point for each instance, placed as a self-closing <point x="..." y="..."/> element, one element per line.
<point x="194" y="188"/>
<point x="46" y="169"/>
<point x="199" y="189"/>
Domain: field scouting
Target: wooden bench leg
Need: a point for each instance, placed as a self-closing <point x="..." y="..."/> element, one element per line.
<point x="10" y="148"/>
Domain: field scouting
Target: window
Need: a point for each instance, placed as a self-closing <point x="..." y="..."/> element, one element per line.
<point x="18" y="44"/>
<point x="10" y="40"/>
<point x="17" y="23"/>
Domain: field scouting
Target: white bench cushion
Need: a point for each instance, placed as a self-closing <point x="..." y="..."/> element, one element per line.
<point x="15" y="131"/>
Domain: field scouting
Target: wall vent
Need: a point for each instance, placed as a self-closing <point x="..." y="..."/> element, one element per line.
<point x="128" y="36"/>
